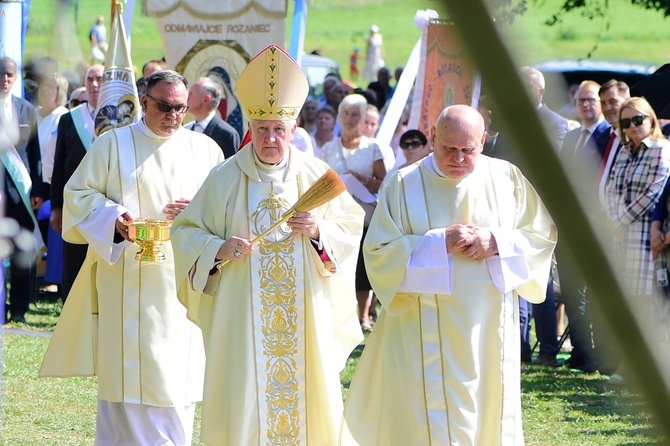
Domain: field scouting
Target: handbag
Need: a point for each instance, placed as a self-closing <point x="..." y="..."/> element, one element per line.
<point x="369" y="208"/>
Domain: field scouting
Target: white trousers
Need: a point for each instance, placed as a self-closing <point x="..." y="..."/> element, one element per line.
<point x="125" y="424"/>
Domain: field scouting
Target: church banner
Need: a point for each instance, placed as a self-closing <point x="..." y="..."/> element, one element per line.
<point x="450" y="77"/>
<point x="217" y="39"/>
<point x="11" y="40"/>
<point x="118" y="103"/>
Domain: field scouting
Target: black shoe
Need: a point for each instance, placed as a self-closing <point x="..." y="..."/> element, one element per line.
<point x="19" y="319"/>
<point x="587" y="367"/>
<point x="546" y="359"/>
<point x="575" y="361"/>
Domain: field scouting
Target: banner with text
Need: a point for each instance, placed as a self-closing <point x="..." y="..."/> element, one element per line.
<point x="450" y="77"/>
<point x="217" y="39"/>
<point x="11" y="41"/>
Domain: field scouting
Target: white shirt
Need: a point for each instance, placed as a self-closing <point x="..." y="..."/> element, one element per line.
<point x="8" y="120"/>
<point x="47" y="133"/>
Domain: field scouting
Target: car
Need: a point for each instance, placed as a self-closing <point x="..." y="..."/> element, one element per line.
<point x="316" y="69"/>
<point x="561" y="74"/>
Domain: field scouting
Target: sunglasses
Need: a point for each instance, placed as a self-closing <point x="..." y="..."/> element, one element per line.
<point x="637" y="120"/>
<point x="413" y="144"/>
<point x="75" y="102"/>
<point x="167" y="108"/>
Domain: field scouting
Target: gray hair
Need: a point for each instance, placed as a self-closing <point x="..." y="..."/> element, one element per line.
<point x="353" y="101"/>
<point x="214" y="89"/>
<point x="534" y="76"/>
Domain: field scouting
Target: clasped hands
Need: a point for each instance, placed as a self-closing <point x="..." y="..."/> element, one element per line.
<point x="235" y="248"/>
<point x="471" y="241"/>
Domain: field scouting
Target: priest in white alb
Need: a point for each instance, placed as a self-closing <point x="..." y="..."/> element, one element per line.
<point x="279" y="319"/>
<point x="453" y="241"/>
<point x="122" y="320"/>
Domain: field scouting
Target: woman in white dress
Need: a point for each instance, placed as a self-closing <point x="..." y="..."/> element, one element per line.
<point x="359" y="161"/>
<point x="374" y="56"/>
<point x="52" y="96"/>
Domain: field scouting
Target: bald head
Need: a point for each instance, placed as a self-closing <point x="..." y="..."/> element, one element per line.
<point x="458" y="138"/>
<point x="7" y="76"/>
<point x="93" y="82"/>
<point x="462" y="119"/>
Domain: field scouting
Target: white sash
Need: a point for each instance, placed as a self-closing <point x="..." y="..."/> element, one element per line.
<point x="79" y="121"/>
<point x="128" y="170"/>
<point x="125" y="146"/>
<point x="17" y="171"/>
<point x="435" y="398"/>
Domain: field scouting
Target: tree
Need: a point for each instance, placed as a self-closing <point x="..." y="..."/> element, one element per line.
<point x="505" y="10"/>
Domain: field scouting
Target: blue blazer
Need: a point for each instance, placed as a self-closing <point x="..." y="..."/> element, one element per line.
<point x="224" y="134"/>
<point x="597" y="141"/>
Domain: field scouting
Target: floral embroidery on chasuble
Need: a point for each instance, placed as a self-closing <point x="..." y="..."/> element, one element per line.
<point x="278" y="316"/>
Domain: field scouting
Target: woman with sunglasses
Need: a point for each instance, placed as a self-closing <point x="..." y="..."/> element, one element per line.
<point x="640" y="170"/>
<point x="414" y="146"/>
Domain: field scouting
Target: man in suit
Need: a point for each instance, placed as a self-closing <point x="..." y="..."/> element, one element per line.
<point x="613" y="94"/>
<point x="76" y="132"/>
<point x="203" y="99"/>
<point x="24" y="188"/>
<point x="544" y="313"/>
<point x="555" y="125"/>
<point x="584" y="148"/>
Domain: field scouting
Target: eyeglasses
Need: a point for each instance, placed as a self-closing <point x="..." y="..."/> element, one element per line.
<point x="75" y="102"/>
<point x="582" y="101"/>
<point x="637" y="120"/>
<point x="164" y="107"/>
<point x="413" y="144"/>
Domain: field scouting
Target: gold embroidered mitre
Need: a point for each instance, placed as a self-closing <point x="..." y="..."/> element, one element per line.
<point x="272" y="86"/>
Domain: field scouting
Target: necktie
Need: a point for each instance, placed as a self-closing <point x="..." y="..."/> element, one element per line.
<point x="609" y="156"/>
<point x="197" y="127"/>
<point x="581" y="142"/>
<point x="608" y="149"/>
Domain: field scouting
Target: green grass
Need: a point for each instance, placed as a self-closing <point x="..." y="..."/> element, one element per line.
<point x="336" y="27"/>
<point x="559" y="407"/>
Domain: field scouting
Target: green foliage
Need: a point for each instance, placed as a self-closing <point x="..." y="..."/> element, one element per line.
<point x="336" y="27"/>
<point x="559" y="407"/>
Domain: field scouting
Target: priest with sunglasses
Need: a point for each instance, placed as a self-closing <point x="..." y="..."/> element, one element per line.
<point x="122" y="320"/>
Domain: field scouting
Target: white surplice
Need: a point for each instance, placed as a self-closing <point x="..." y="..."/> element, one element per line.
<point x="442" y="365"/>
<point x="122" y="320"/>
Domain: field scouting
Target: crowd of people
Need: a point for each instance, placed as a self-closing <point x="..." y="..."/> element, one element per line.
<point x="439" y="247"/>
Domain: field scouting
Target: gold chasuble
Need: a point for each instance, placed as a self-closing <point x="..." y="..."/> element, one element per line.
<point x="442" y="366"/>
<point x="280" y="323"/>
<point x="278" y="313"/>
